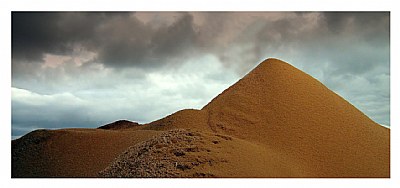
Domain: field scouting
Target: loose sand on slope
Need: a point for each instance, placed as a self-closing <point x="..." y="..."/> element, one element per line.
<point x="277" y="121"/>
<point x="70" y="152"/>
<point x="186" y="153"/>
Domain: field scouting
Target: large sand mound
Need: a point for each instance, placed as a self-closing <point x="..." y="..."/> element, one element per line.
<point x="284" y="108"/>
<point x="277" y="121"/>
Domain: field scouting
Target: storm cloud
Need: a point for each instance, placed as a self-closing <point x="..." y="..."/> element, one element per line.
<point x="84" y="69"/>
<point x="119" y="39"/>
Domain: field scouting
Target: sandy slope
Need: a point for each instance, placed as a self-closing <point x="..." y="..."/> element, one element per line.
<point x="275" y="122"/>
<point x="70" y="152"/>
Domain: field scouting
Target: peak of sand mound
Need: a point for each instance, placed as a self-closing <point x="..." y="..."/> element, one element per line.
<point x="120" y="124"/>
<point x="277" y="121"/>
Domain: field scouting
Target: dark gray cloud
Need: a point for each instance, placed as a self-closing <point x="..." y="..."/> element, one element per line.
<point x="119" y="39"/>
<point x="144" y="65"/>
<point x="36" y="33"/>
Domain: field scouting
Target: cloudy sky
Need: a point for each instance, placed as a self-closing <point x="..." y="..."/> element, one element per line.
<point x="75" y="69"/>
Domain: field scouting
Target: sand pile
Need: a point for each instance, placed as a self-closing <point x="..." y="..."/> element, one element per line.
<point x="30" y="147"/>
<point x="120" y="124"/>
<point x="188" y="153"/>
<point x="167" y="155"/>
<point x="277" y="121"/>
<point x="71" y="152"/>
<point x="282" y="107"/>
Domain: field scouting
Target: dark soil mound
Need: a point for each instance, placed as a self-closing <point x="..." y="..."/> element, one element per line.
<point x="120" y="124"/>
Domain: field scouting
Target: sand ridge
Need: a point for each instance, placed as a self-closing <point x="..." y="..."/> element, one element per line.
<point x="120" y="124"/>
<point x="277" y="121"/>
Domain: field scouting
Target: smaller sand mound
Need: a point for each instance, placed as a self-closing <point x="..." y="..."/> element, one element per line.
<point x="24" y="152"/>
<point x="176" y="153"/>
<point x="120" y="124"/>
